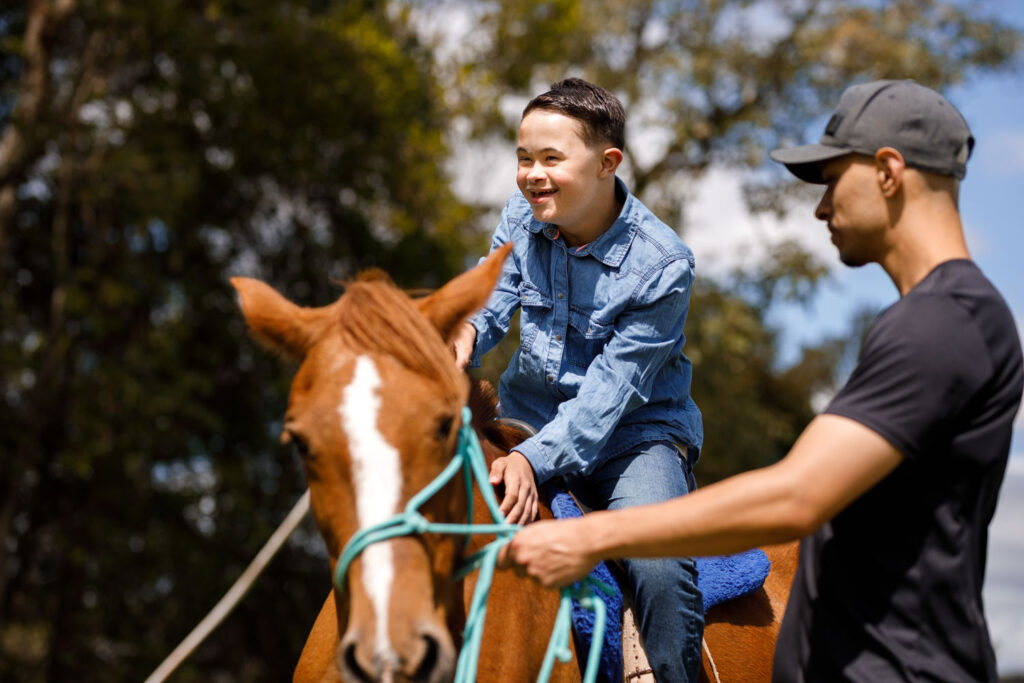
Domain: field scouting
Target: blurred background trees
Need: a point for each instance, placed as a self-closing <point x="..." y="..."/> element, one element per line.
<point x="148" y="151"/>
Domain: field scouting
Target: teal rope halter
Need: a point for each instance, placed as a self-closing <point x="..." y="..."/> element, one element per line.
<point x="469" y="457"/>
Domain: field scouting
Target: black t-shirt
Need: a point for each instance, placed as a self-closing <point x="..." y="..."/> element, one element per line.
<point x="890" y="589"/>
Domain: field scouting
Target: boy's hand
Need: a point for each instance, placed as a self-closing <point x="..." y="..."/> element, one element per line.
<point x="462" y="344"/>
<point x="520" y="502"/>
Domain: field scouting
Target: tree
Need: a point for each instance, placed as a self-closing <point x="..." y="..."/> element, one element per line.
<point x="712" y="81"/>
<point x="151" y="150"/>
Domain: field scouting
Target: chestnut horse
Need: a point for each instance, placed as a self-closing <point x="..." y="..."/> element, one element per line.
<point x="374" y="411"/>
<point x="739" y="635"/>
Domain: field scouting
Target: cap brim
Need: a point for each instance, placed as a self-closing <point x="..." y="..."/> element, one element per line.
<point x="805" y="161"/>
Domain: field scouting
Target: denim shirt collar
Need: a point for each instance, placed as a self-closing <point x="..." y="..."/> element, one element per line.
<point x="613" y="245"/>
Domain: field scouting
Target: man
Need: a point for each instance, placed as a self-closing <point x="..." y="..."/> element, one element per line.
<point x="895" y="484"/>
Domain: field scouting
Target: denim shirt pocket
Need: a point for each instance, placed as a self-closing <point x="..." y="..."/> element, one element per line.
<point x="536" y="309"/>
<point x="585" y="338"/>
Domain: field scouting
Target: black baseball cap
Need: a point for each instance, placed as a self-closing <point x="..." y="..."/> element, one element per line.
<point x="926" y="129"/>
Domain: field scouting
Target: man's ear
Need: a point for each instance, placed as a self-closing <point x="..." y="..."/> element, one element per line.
<point x="889" y="168"/>
<point x="611" y="157"/>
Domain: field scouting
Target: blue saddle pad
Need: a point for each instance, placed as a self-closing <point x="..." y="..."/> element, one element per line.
<point x="719" y="578"/>
<point x="563" y="506"/>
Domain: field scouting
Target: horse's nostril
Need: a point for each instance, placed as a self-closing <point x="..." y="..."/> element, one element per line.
<point x="352" y="670"/>
<point x="428" y="665"/>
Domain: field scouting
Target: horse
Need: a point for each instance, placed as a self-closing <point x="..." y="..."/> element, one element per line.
<point x="373" y="412"/>
<point x="740" y="634"/>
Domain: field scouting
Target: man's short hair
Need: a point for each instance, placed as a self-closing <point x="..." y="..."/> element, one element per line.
<point x="601" y="115"/>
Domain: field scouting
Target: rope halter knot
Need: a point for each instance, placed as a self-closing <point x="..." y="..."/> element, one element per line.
<point x="469" y="458"/>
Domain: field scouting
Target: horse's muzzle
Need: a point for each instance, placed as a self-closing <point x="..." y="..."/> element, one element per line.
<point x="428" y="656"/>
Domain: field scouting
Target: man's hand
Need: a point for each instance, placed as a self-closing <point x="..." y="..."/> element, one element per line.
<point x="520" y="502"/>
<point x="552" y="552"/>
<point x="462" y="344"/>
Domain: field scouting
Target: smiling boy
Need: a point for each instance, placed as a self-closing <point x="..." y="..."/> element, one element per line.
<point x="603" y="287"/>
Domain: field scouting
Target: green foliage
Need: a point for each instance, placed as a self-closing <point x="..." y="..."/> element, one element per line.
<point x="721" y="82"/>
<point x="151" y="150"/>
<point x="183" y="144"/>
<point x="754" y="409"/>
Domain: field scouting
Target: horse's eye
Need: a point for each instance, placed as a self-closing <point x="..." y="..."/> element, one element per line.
<point x="301" y="445"/>
<point x="444" y="427"/>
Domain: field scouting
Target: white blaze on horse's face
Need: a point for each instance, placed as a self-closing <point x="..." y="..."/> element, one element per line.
<point x="378" y="483"/>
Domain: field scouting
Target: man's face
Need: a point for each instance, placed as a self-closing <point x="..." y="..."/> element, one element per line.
<point x="557" y="172"/>
<point x="854" y="208"/>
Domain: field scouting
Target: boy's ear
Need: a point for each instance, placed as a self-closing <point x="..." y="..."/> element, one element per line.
<point x="610" y="160"/>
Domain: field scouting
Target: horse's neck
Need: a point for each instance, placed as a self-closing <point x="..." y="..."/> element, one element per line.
<point x="496" y="439"/>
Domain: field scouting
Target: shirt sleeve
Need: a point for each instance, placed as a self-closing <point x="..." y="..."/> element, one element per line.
<point x="920" y="365"/>
<point x="493" y="320"/>
<point x="620" y="378"/>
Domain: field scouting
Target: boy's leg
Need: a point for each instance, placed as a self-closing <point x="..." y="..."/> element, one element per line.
<point x="667" y="602"/>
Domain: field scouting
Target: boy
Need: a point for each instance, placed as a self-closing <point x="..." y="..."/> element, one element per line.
<point x="603" y="287"/>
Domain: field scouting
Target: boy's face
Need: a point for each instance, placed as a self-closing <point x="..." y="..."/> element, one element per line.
<point x="558" y="173"/>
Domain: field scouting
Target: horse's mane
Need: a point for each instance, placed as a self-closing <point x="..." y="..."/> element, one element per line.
<point x="374" y="316"/>
<point x="483" y="401"/>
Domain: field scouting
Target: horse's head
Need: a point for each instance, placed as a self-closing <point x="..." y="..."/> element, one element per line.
<point x="374" y="411"/>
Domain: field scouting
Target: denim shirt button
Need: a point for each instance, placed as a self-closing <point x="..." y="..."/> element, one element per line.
<point x="558" y="337"/>
<point x="550" y="378"/>
<point x="559" y="295"/>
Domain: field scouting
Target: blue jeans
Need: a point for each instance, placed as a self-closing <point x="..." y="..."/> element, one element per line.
<point x="667" y="603"/>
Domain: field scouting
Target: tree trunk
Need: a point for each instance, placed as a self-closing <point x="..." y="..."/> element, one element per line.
<point x="21" y="143"/>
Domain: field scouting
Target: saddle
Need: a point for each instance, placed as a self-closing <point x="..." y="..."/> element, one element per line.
<point x="720" y="578"/>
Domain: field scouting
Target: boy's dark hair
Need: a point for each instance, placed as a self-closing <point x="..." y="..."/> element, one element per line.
<point x="601" y="114"/>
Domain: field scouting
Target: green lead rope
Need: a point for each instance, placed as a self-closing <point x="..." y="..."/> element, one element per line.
<point x="469" y="457"/>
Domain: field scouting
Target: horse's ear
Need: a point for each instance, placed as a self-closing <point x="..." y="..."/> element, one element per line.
<point x="276" y="322"/>
<point x="461" y="297"/>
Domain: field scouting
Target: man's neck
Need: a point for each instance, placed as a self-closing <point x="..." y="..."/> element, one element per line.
<point x="924" y="237"/>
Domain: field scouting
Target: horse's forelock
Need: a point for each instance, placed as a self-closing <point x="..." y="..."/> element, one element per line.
<point x="375" y="316"/>
<point x="374" y="275"/>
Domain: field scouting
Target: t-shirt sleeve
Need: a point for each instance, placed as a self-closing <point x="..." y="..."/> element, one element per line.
<point x="919" y="366"/>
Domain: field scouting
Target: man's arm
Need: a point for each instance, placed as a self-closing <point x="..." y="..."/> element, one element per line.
<point x="833" y="462"/>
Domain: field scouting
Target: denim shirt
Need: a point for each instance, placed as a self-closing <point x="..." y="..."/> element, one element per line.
<point x="600" y="366"/>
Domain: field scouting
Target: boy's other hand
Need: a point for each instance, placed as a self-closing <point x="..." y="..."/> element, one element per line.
<point x="520" y="502"/>
<point x="462" y="344"/>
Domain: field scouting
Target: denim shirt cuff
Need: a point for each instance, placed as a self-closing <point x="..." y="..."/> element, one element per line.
<point x="481" y="328"/>
<point x="541" y="471"/>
